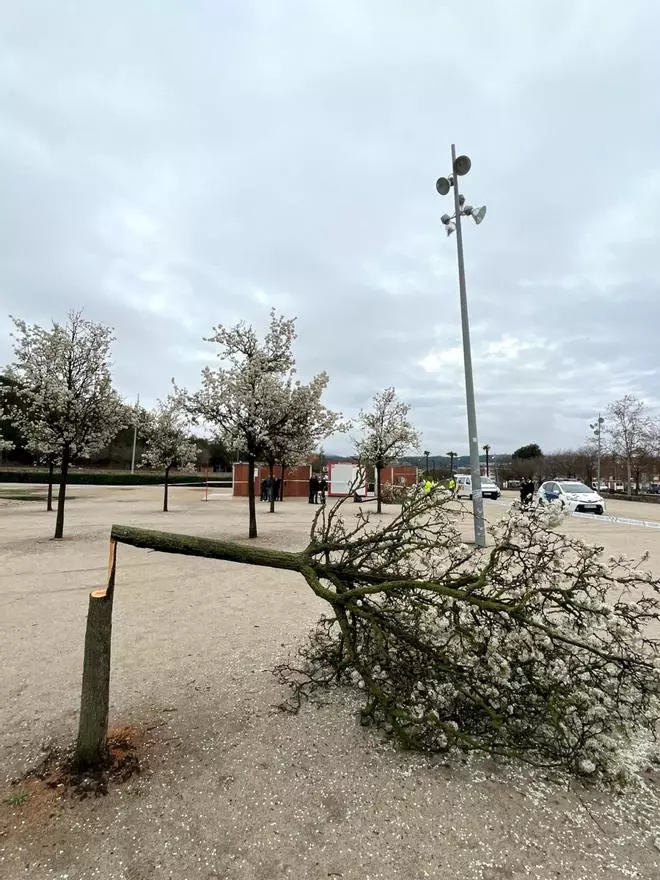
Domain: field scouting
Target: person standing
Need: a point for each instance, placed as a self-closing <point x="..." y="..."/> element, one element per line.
<point x="277" y="483"/>
<point x="324" y="488"/>
<point x="313" y="489"/>
<point x="530" y="488"/>
<point x="451" y="485"/>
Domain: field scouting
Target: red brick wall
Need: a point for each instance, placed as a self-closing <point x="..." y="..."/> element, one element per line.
<point x="399" y="475"/>
<point x="296" y="480"/>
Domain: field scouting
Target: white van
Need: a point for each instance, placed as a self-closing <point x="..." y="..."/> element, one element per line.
<point x="489" y="488"/>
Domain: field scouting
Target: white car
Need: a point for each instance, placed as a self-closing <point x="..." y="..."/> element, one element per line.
<point x="489" y="488"/>
<point x="572" y="496"/>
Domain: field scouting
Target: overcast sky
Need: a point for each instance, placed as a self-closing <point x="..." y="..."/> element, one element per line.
<point x="172" y="165"/>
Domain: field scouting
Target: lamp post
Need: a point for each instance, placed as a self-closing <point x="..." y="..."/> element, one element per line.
<point x="460" y="166"/>
<point x="426" y="455"/>
<point x="597" y="428"/>
<point x="135" y="427"/>
<point x="451" y="456"/>
<point x="486" y="449"/>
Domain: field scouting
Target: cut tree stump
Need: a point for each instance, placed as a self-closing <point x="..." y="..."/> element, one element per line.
<point x="91" y="747"/>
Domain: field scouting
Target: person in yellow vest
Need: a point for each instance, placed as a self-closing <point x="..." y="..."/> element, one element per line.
<point x="451" y="485"/>
<point x="428" y="485"/>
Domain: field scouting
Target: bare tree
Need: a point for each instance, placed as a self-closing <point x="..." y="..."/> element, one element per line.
<point x="167" y="437"/>
<point x="235" y="397"/>
<point x="388" y="434"/>
<point x="68" y="405"/>
<point x="628" y="428"/>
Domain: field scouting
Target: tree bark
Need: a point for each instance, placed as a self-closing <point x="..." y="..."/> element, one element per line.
<point x="379" y="496"/>
<point x="189" y="545"/>
<point x="271" y="474"/>
<point x="167" y="476"/>
<point x="91" y="746"/>
<point x="61" y="498"/>
<point x="629" y="483"/>
<point x="49" y="498"/>
<point x="283" y="469"/>
<point x="252" y="531"/>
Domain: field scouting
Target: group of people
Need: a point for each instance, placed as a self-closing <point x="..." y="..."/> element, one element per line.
<point x="527" y="489"/>
<point x="430" y="485"/>
<point x="317" y="487"/>
<point x="271" y="488"/>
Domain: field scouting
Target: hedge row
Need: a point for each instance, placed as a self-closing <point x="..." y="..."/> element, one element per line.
<point x="89" y="478"/>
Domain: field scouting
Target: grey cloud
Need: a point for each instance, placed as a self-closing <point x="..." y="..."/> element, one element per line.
<point x="173" y="169"/>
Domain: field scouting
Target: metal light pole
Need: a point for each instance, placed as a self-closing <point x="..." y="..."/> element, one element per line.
<point x="460" y="166"/>
<point x="426" y="454"/>
<point x="135" y="427"/>
<point x="486" y="449"/>
<point x="597" y="429"/>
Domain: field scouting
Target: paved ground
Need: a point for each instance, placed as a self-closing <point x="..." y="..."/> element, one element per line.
<point x="236" y="790"/>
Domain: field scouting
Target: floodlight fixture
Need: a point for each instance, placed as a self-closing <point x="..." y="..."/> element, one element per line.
<point x="461" y="199"/>
<point x="445" y="218"/>
<point x="462" y="165"/>
<point x="478" y="214"/>
<point x="442" y="185"/>
<point x="450" y="228"/>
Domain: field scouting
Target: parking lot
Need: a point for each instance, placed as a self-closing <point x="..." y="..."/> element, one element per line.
<point x="233" y="788"/>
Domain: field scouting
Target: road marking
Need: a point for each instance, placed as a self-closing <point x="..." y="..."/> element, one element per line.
<point x="620" y="520"/>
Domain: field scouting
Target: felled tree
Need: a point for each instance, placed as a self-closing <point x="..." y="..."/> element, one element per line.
<point x="387" y="434"/>
<point x="68" y="407"/>
<point x="234" y="398"/>
<point x="166" y="436"/>
<point x="540" y="648"/>
<point x="297" y="421"/>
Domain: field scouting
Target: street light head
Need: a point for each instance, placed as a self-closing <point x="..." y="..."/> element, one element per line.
<point x="450" y="228"/>
<point x="478" y="214"/>
<point x="442" y="185"/>
<point x="600" y="420"/>
<point x="461" y="200"/>
<point x="462" y="165"/>
<point x="445" y="218"/>
<point x="468" y="210"/>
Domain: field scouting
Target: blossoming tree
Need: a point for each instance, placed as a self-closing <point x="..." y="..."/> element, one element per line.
<point x="236" y="398"/>
<point x="297" y="421"/>
<point x="388" y="434"/>
<point x="539" y="648"/>
<point x="166" y="435"/>
<point x="68" y="406"/>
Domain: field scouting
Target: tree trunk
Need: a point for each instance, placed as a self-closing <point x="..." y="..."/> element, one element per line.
<point x="91" y="746"/>
<point x="283" y="468"/>
<point x="379" y="496"/>
<point x="167" y="476"/>
<point x="271" y="474"/>
<point x="49" y="498"/>
<point x="252" y="531"/>
<point x="64" y="473"/>
<point x="629" y="483"/>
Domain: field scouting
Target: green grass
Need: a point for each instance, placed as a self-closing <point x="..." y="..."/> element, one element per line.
<point x="16" y="800"/>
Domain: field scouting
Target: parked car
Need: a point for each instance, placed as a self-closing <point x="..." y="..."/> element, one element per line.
<point x="602" y="488"/>
<point x="489" y="488"/>
<point x="572" y="495"/>
<point x="654" y="488"/>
